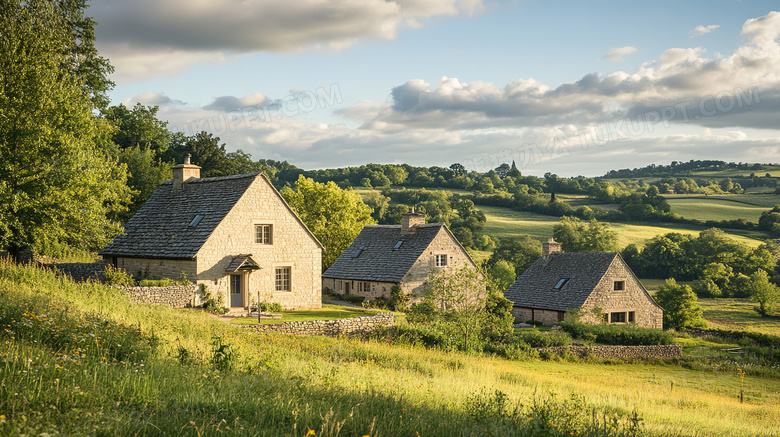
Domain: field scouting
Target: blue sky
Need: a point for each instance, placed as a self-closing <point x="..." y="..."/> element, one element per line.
<point x="552" y="85"/>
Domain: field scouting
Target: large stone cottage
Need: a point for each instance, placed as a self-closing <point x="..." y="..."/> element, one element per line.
<point x="383" y="256"/>
<point x="234" y="235"/>
<point x="559" y="282"/>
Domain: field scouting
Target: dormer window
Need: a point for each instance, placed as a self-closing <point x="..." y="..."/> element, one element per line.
<point x="561" y="282"/>
<point x="195" y="221"/>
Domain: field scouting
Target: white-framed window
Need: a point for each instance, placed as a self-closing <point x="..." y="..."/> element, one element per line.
<point x="264" y="234"/>
<point x="283" y="278"/>
<point x="440" y="260"/>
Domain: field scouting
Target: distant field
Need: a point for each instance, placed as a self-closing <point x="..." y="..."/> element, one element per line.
<point x="738" y="314"/>
<point x="735" y="172"/>
<point x="507" y="223"/>
<point x="701" y="208"/>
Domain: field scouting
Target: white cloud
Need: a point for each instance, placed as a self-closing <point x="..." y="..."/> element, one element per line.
<point x="149" y="38"/>
<point x="618" y="53"/>
<point x="702" y="30"/>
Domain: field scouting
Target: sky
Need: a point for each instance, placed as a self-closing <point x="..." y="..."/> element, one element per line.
<point x="573" y="88"/>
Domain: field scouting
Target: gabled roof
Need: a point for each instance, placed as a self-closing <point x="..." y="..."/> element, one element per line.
<point x="242" y="262"/>
<point x="166" y="225"/>
<point x="373" y="255"/>
<point x="535" y="288"/>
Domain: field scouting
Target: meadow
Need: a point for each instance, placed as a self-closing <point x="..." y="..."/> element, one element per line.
<point x="508" y="223"/>
<point x="79" y="359"/>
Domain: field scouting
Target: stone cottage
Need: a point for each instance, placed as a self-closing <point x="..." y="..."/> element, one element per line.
<point x="559" y="282"/>
<point x="383" y="256"/>
<point x="234" y="235"/>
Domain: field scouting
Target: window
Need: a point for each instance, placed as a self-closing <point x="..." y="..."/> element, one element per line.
<point x="283" y="279"/>
<point x="398" y="244"/>
<point x="617" y="317"/>
<point x="264" y="234"/>
<point x="620" y="285"/>
<point x="560" y="283"/>
<point x="363" y="287"/>
<point x="441" y="260"/>
<point x="631" y="317"/>
<point x="357" y="252"/>
<point x="195" y="221"/>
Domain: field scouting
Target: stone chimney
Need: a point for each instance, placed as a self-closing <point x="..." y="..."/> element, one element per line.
<point x="183" y="172"/>
<point x="550" y="247"/>
<point x="409" y="220"/>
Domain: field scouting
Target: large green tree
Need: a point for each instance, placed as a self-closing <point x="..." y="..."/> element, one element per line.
<point x="763" y="292"/>
<point x="518" y="252"/>
<point x="681" y="306"/>
<point x="335" y="216"/>
<point x="576" y="236"/>
<point x="58" y="179"/>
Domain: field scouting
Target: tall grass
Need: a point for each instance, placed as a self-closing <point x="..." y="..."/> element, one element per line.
<point x="164" y="380"/>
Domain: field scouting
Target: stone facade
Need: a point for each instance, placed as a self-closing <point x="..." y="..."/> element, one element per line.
<point x="652" y="351"/>
<point x="142" y="268"/>
<point x="334" y="328"/>
<point x="547" y="317"/>
<point x="176" y="296"/>
<point x="369" y="289"/>
<point x="292" y="247"/>
<point x="443" y="244"/>
<point x="633" y="301"/>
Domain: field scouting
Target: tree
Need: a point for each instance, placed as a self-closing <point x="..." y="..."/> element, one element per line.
<point x="681" y="306"/>
<point x="335" y="216"/>
<point x="458" y="295"/>
<point x="502" y="275"/>
<point x="575" y="236"/>
<point x="59" y="179"/>
<point x="458" y="169"/>
<point x="519" y="253"/>
<point x="763" y="292"/>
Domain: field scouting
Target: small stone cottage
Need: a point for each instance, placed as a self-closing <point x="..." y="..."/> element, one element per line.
<point x="559" y="282"/>
<point x="383" y="256"/>
<point x="234" y="235"/>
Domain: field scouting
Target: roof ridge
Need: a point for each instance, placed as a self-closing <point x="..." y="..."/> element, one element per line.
<point x="214" y="179"/>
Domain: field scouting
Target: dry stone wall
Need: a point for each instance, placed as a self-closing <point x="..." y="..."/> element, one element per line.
<point x="176" y="296"/>
<point x="652" y="351"/>
<point x="80" y="272"/>
<point x="333" y="328"/>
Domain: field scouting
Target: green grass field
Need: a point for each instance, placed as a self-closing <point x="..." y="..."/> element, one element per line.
<point x="66" y="372"/>
<point x="738" y="314"/>
<point x="701" y="208"/>
<point x="508" y="223"/>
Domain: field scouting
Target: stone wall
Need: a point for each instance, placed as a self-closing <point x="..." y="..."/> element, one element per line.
<point x="653" y="351"/>
<point x="80" y="272"/>
<point x="176" y="296"/>
<point x="353" y="326"/>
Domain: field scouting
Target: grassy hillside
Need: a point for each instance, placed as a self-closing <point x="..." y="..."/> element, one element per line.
<point x="82" y="360"/>
<point x="507" y="223"/>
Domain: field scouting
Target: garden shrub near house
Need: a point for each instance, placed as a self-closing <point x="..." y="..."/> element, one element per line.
<point x="625" y="335"/>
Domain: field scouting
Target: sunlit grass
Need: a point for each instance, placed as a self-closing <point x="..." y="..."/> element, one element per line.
<point x="327" y="312"/>
<point x="738" y="314"/>
<point x="288" y="385"/>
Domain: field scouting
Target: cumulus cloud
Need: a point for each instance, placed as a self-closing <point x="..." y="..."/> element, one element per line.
<point x="720" y="90"/>
<point x="702" y="30"/>
<point x="618" y="53"/>
<point x="230" y="103"/>
<point x="151" y="98"/>
<point x="147" y="38"/>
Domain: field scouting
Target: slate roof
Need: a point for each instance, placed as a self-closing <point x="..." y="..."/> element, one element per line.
<point x="160" y="229"/>
<point x="242" y="262"/>
<point x="535" y="287"/>
<point x="376" y="259"/>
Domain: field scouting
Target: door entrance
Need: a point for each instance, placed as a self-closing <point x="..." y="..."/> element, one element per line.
<point x="236" y="287"/>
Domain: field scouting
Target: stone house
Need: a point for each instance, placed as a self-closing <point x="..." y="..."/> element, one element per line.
<point x="383" y="256"/>
<point x="559" y="282"/>
<point x="235" y="235"/>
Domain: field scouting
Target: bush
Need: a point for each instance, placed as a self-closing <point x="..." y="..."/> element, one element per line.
<point x="266" y="307"/>
<point x="534" y="338"/>
<point x="415" y="335"/>
<point x="351" y="298"/>
<point x="626" y="335"/>
<point x="535" y="323"/>
<point x="399" y="301"/>
<point x="212" y="304"/>
<point x="118" y="277"/>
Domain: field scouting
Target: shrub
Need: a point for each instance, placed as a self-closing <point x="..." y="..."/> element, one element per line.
<point x="379" y="303"/>
<point x="118" y="277"/>
<point x="351" y="298"/>
<point x="165" y="282"/>
<point x="535" y="323"/>
<point x="212" y="304"/>
<point x="552" y="338"/>
<point x="422" y="312"/>
<point x="273" y="307"/>
<point x="627" y="335"/>
<point x="399" y="301"/>
<point x="223" y="355"/>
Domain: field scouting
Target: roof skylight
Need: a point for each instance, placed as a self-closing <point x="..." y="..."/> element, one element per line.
<point x="195" y="221"/>
<point x="560" y="284"/>
<point x="398" y="244"/>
